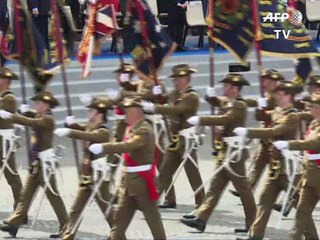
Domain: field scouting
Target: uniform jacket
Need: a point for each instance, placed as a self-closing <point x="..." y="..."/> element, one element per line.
<point x="7" y="103"/>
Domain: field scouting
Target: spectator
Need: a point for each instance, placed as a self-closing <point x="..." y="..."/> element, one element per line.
<point x="40" y="15"/>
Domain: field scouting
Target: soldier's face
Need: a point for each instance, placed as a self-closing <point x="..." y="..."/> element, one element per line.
<point x="41" y="107"/>
<point x="230" y="90"/>
<point x="268" y="84"/>
<point x="312" y="89"/>
<point x="283" y="99"/>
<point x="180" y="83"/>
<point x="4" y="83"/>
<point x="314" y="110"/>
<point x="92" y="115"/>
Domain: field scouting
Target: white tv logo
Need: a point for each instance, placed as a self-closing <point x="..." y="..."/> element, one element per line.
<point x="296" y="19"/>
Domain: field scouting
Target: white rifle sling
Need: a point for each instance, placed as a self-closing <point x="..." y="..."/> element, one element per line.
<point x="100" y="169"/>
<point x="8" y="147"/>
<point x="48" y="166"/>
<point x="235" y="146"/>
<point x="190" y="143"/>
<point x="159" y="128"/>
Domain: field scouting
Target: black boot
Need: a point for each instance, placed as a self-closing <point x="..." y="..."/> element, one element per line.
<point x="241" y="230"/>
<point x="278" y="208"/>
<point x="234" y="193"/>
<point x="55" y="235"/>
<point x="25" y="221"/>
<point x="190" y="215"/>
<point x="12" y="230"/>
<point x="166" y="204"/>
<point x="195" y="223"/>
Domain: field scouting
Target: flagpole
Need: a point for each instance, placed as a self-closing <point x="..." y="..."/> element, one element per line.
<point x="256" y="24"/>
<point x="17" y="24"/>
<point x="60" y="50"/>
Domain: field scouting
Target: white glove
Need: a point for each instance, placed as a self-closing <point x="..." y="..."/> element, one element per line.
<point x="5" y="115"/>
<point x="262" y="103"/>
<point x="69" y="120"/>
<point x="211" y="92"/>
<point x="112" y="93"/>
<point x="281" y="144"/>
<point x="24" y="108"/>
<point x="157" y="90"/>
<point x="301" y="96"/>
<point x="124" y="77"/>
<point x="194" y="120"/>
<point x="86" y="99"/>
<point x="62" y="132"/>
<point x="148" y="106"/>
<point x="240" y="131"/>
<point x="96" y="148"/>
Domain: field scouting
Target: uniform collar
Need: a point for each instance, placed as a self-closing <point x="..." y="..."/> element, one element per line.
<point x="136" y="125"/>
<point x="185" y="90"/>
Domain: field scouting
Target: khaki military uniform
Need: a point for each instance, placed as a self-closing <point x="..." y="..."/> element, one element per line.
<point x="42" y="137"/>
<point x="134" y="193"/>
<point x="182" y="105"/>
<point x="233" y="115"/>
<point x="284" y="125"/>
<point x="8" y="103"/>
<point x="90" y="134"/>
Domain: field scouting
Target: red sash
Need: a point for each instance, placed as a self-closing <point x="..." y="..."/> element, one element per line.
<point x="148" y="176"/>
<point x="311" y="151"/>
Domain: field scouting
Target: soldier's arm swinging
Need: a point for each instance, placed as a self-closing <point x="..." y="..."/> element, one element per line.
<point x="99" y="135"/>
<point x="43" y="122"/>
<point x="313" y="145"/>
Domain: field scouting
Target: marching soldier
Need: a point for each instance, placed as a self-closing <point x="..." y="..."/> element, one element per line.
<point x="270" y="78"/>
<point x="42" y="124"/>
<point x="284" y="126"/>
<point x="8" y="103"/>
<point x="93" y="132"/>
<point x="310" y="193"/>
<point x="138" y="189"/>
<point x="183" y="103"/>
<point x="232" y="115"/>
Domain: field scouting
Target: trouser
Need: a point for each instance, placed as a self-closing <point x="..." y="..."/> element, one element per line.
<point x="171" y="162"/>
<point x="31" y="186"/>
<point x="125" y="212"/>
<point x="177" y="22"/>
<point x="259" y="164"/>
<point x="219" y="183"/>
<point x="13" y="180"/>
<point x="79" y="203"/>
<point x="310" y="195"/>
<point x="268" y="197"/>
<point x="42" y="23"/>
<point x="4" y="24"/>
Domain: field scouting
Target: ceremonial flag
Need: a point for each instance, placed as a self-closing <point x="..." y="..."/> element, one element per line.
<point x="101" y="21"/>
<point x="4" y="49"/>
<point x="233" y="26"/>
<point x="146" y="40"/>
<point x="284" y="37"/>
<point x="303" y="70"/>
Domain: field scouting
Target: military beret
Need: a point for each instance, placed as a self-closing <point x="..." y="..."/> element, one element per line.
<point x="46" y="97"/>
<point x="8" y="74"/>
<point x="130" y="102"/>
<point x="314" y="80"/>
<point x="235" y="79"/>
<point x="181" y="70"/>
<point x="289" y="87"/>
<point x="314" y="98"/>
<point x="125" y="68"/>
<point x="272" y="74"/>
<point x="102" y="104"/>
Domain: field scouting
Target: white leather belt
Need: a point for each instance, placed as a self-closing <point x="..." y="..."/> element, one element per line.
<point x="313" y="156"/>
<point x="134" y="169"/>
<point x="119" y="117"/>
<point x="188" y="132"/>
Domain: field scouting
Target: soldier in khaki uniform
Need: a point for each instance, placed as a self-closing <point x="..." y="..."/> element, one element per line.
<point x="284" y="126"/>
<point x="310" y="192"/>
<point x="8" y="103"/>
<point x="42" y="125"/>
<point x="93" y="132"/>
<point x="232" y="115"/>
<point x="138" y="189"/>
<point x="183" y="103"/>
<point x="270" y="78"/>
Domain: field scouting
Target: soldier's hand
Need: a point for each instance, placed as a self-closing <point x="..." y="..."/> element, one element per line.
<point x="112" y="93"/>
<point x="35" y="11"/>
<point x="124" y="77"/>
<point x="5" y="115"/>
<point x="148" y="106"/>
<point x="96" y="148"/>
<point x="195" y="120"/>
<point x="86" y="99"/>
<point x="24" y="108"/>
<point x="69" y="120"/>
<point x="240" y="131"/>
<point x="281" y="144"/>
<point x="211" y="92"/>
<point x="157" y="90"/>
<point x="262" y="103"/>
<point x="62" y="132"/>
